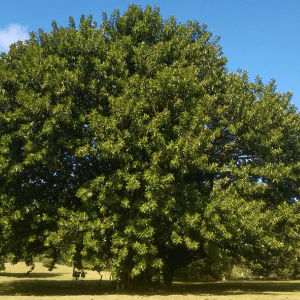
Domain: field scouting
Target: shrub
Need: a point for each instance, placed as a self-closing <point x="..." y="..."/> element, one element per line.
<point x="49" y="263"/>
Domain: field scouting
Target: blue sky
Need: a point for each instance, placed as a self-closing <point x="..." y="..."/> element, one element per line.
<point x="260" y="36"/>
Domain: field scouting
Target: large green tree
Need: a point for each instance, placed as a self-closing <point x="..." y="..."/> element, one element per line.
<point x="132" y="147"/>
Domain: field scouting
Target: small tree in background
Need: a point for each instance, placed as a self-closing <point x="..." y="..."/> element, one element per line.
<point x="131" y="147"/>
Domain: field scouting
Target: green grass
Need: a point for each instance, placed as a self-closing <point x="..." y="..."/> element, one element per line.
<point x="58" y="284"/>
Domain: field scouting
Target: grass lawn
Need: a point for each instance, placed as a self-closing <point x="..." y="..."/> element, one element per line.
<point x="58" y="284"/>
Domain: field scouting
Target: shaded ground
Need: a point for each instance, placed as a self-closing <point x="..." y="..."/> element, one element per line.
<point x="58" y="284"/>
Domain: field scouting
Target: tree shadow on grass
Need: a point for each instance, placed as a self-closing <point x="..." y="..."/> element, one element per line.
<point x="31" y="275"/>
<point x="238" y="287"/>
<point x="42" y="287"/>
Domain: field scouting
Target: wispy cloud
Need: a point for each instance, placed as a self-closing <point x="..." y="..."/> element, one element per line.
<point x="12" y="34"/>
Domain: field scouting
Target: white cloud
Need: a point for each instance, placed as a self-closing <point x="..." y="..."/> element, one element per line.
<point x="12" y="34"/>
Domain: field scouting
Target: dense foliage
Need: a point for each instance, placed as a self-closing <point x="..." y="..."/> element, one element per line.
<point x="131" y="147"/>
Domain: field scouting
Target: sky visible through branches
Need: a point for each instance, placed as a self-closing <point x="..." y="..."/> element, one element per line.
<point x="262" y="37"/>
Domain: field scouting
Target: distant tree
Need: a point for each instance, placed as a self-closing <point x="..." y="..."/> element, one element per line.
<point x="131" y="147"/>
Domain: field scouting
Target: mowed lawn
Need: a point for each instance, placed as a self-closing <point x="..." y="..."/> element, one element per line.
<point x="58" y="284"/>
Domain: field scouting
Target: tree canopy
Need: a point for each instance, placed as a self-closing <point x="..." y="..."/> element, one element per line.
<point x="131" y="147"/>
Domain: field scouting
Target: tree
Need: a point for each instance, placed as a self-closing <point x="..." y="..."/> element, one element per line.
<point x="132" y="147"/>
